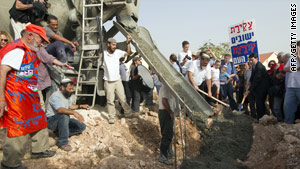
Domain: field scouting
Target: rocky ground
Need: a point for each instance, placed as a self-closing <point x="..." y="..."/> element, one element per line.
<point x="233" y="141"/>
<point x="129" y="143"/>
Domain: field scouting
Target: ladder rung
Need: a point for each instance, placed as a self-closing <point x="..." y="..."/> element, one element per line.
<point x="90" y="31"/>
<point x="87" y="82"/>
<point x="90" y="18"/>
<point x="90" y="57"/>
<point x="85" y="95"/>
<point x="89" y="69"/>
<point x="92" y="5"/>
<point x="90" y="47"/>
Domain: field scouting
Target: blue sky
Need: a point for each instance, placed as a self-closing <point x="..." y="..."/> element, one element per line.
<point x="172" y="21"/>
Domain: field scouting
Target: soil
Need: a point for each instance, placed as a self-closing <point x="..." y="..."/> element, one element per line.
<point x="233" y="142"/>
<point x="129" y="144"/>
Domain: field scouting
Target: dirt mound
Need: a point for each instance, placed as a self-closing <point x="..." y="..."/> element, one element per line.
<point x="129" y="143"/>
<point x="275" y="146"/>
<point x="232" y="142"/>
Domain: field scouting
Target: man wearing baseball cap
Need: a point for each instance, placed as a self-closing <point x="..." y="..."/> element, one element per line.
<point x="20" y="110"/>
<point x="112" y="79"/>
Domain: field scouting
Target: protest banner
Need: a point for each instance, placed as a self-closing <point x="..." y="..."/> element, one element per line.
<point x="243" y="41"/>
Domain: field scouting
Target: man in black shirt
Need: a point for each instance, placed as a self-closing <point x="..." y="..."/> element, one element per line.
<point x="139" y="89"/>
<point x="259" y="85"/>
<point x="24" y="12"/>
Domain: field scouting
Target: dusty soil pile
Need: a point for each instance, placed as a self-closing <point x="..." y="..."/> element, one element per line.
<point x="235" y="142"/>
<point x="129" y="143"/>
<point x="275" y="145"/>
<point x="232" y="142"/>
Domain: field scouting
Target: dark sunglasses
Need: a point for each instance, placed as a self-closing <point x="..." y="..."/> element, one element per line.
<point x="5" y="40"/>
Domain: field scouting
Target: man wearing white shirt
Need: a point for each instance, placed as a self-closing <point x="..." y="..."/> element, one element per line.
<point x="184" y="56"/>
<point x="167" y="106"/>
<point x="200" y="71"/>
<point x="292" y="94"/>
<point x="173" y="61"/>
<point x="125" y="79"/>
<point x="112" y="79"/>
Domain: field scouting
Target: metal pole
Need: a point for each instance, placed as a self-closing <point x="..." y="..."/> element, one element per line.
<point x="181" y="135"/>
<point x="185" y="143"/>
<point x="174" y="131"/>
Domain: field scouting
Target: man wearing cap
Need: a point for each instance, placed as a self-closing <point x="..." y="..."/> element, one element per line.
<point x="20" y="110"/>
<point x="112" y="80"/>
<point x="200" y="71"/>
<point x="59" y="109"/>
<point x="139" y="89"/>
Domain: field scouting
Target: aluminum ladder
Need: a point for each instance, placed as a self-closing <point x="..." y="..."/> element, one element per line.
<point x="89" y="47"/>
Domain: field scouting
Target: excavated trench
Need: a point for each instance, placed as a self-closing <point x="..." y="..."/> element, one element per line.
<point x="225" y="144"/>
<point x="229" y="139"/>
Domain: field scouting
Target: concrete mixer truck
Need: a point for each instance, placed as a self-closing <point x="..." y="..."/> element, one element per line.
<point x="83" y="20"/>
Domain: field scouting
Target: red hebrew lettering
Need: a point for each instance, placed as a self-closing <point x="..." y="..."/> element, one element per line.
<point x="232" y="30"/>
<point x="250" y="25"/>
<point x="237" y="50"/>
<point x="249" y="46"/>
<point x="238" y="28"/>
<point x="252" y="46"/>
<point x="244" y="27"/>
<point x="234" y="50"/>
<point x="245" y="47"/>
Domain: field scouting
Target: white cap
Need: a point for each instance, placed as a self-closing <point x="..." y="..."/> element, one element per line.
<point x="111" y="40"/>
<point x="66" y="80"/>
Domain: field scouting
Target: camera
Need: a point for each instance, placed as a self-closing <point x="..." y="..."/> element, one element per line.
<point x="188" y="57"/>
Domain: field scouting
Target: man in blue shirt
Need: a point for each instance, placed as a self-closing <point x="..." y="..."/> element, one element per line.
<point x="232" y="72"/>
<point x="59" y="109"/>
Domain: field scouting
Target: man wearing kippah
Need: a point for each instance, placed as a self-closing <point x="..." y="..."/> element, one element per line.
<point x="20" y="110"/>
<point x="112" y="79"/>
<point x="199" y="71"/>
<point x="59" y="109"/>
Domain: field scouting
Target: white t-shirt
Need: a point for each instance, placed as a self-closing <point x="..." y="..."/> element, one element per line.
<point x="182" y="55"/>
<point x="186" y="66"/>
<point x="165" y="92"/>
<point x="199" y="74"/>
<point x="124" y="72"/>
<point x="175" y="65"/>
<point x="111" y="65"/>
<point x="216" y="74"/>
<point x="293" y="78"/>
<point x="13" y="58"/>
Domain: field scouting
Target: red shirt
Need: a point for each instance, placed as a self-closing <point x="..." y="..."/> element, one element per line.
<point x="24" y="114"/>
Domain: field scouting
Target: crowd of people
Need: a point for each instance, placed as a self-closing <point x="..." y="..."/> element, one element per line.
<point x="249" y="84"/>
<point x="23" y="74"/>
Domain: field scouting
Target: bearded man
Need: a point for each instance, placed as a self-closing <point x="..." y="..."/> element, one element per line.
<point x="20" y="110"/>
<point x="59" y="109"/>
<point x="112" y="79"/>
